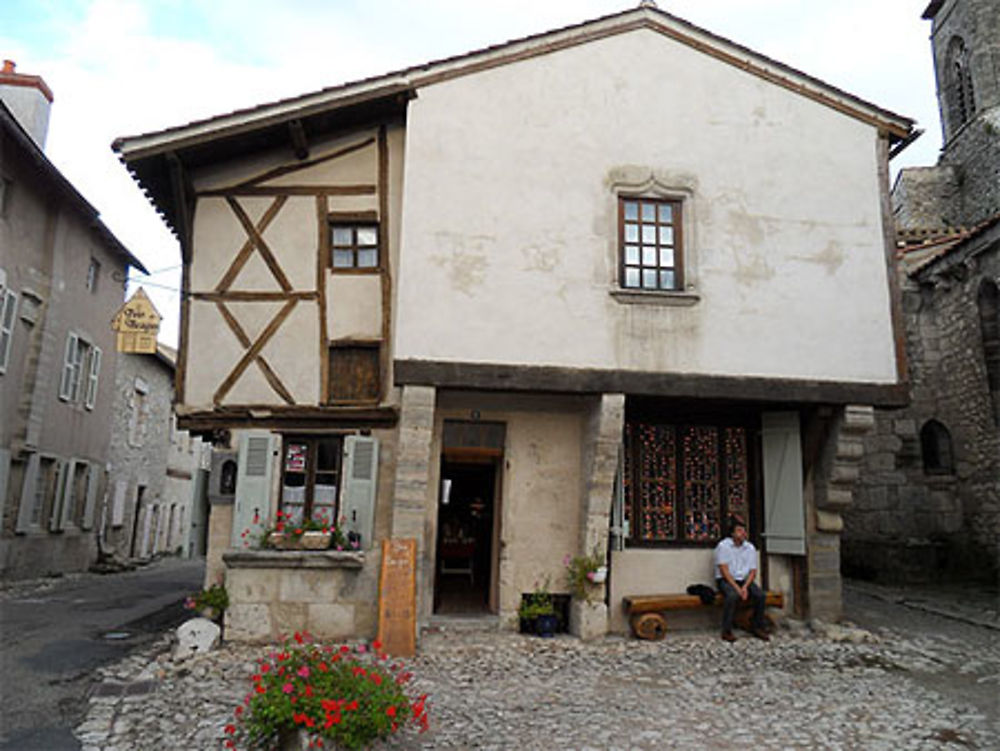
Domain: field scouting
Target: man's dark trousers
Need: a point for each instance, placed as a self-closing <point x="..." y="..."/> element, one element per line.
<point x="732" y="599"/>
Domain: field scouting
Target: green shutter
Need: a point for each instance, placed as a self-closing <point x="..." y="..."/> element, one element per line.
<point x="358" y="489"/>
<point x="784" y="511"/>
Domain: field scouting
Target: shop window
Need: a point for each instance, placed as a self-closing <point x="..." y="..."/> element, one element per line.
<point x="310" y="477"/>
<point x="936" y="450"/>
<point x="682" y="482"/>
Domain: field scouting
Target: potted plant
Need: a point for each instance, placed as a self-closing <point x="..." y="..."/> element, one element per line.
<point x="537" y="612"/>
<point x="210" y="602"/>
<point x="585" y="571"/>
<point x="307" y="695"/>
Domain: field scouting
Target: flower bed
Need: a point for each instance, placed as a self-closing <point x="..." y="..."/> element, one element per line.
<point x="337" y="696"/>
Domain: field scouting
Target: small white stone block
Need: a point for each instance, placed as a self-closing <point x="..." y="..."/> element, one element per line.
<point x="196" y="636"/>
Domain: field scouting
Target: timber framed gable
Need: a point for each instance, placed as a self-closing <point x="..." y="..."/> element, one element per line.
<point x="262" y="280"/>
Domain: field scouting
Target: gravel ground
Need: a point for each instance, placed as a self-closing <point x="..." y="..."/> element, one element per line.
<point x="824" y="686"/>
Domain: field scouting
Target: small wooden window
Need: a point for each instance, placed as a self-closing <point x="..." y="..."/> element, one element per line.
<point x="354" y="246"/>
<point x="650" y="244"/>
<point x="355" y="372"/>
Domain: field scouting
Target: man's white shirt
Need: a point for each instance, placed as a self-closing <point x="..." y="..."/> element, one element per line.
<point x="741" y="559"/>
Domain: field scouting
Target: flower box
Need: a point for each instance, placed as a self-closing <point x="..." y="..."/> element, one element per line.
<point x="309" y="540"/>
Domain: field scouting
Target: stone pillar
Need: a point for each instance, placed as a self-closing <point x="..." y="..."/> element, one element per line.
<point x="413" y="474"/>
<point x="834" y="478"/>
<point x="601" y="439"/>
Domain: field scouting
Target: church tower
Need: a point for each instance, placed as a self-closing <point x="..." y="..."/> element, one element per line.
<point x="964" y="188"/>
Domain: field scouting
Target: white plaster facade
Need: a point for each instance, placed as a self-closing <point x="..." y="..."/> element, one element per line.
<point x="512" y="362"/>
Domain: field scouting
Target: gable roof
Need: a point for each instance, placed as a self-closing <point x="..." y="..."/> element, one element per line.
<point x="337" y="106"/>
<point x="60" y="186"/>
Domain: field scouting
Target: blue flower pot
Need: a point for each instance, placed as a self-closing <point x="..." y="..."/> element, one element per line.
<point x="546" y="625"/>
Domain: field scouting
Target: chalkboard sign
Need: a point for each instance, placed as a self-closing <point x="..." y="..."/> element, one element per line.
<point x="397" y="598"/>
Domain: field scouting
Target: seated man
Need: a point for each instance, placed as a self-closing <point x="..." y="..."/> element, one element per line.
<point x="735" y="570"/>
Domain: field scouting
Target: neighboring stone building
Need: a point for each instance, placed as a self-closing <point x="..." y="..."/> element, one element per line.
<point x="61" y="281"/>
<point x="156" y="481"/>
<point x="928" y="504"/>
<point x="453" y="303"/>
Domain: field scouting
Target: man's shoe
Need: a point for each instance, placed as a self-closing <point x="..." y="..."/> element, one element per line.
<point x="761" y="634"/>
<point x="728" y="636"/>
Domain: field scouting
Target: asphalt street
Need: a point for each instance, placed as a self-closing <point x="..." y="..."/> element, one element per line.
<point x="55" y="632"/>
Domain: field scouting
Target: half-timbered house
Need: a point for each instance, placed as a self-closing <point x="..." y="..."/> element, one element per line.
<point x="599" y="288"/>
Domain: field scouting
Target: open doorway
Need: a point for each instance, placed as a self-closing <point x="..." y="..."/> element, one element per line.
<point x="465" y="541"/>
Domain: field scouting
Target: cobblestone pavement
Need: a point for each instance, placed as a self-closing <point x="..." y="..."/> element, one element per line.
<point x="825" y="686"/>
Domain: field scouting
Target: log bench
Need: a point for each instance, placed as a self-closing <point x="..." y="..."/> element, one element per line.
<point x="647" y="612"/>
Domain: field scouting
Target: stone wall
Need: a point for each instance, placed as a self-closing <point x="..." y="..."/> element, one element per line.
<point x="907" y="524"/>
<point x="140" y="459"/>
<point x="272" y="593"/>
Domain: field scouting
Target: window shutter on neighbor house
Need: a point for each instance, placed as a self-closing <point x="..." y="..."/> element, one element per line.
<point x="253" y="485"/>
<point x="118" y="504"/>
<point x="28" y="494"/>
<point x="69" y="499"/>
<point x="784" y="512"/>
<point x="4" y="476"/>
<point x="58" y="501"/>
<point x="66" y="384"/>
<point x="93" y="480"/>
<point x="357" y="504"/>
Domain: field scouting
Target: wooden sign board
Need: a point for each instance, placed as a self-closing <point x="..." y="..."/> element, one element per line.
<point x="397" y="598"/>
<point x="137" y="323"/>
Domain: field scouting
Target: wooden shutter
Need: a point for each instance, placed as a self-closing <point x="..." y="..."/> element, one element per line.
<point x="58" y="499"/>
<point x="354" y="373"/>
<point x="69" y="499"/>
<point x="784" y="511"/>
<point x="118" y="504"/>
<point x="92" y="376"/>
<point x="8" y="306"/>
<point x="24" y="513"/>
<point x="4" y="476"/>
<point x="69" y="356"/>
<point x="254" y="469"/>
<point x="357" y="503"/>
<point x="93" y="481"/>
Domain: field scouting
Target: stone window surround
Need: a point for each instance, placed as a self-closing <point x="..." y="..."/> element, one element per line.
<point x="646" y="182"/>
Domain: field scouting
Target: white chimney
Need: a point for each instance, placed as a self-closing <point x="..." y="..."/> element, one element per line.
<point x="29" y="98"/>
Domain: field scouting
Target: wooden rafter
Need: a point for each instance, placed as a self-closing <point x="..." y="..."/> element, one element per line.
<point x="242" y="338"/>
<point x="285" y="169"/>
<point x="244" y="255"/>
<point x="297" y="135"/>
<point x="254" y="350"/>
<point x="258" y="240"/>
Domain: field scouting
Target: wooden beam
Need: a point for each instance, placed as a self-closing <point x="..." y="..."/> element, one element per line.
<point x="244" y="254"/>
<point x="262" y="247"/>
<point x="328" y="419"/>
<point x="254" y="296"/>
<point x="294" y="190"/>
<point x="265" y="368"/>
<point x="297" y="135"/>
<point x="180" y="190"/>
<point x="554" y="379"/>
<point x="251" y="354"/>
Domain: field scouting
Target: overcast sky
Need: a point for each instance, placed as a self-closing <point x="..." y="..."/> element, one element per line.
<point x="122" y="67"/>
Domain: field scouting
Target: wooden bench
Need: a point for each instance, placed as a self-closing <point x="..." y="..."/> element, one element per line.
<point x="646" y="612"/>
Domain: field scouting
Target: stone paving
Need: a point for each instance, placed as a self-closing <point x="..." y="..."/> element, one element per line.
<point x="819" y="686"/>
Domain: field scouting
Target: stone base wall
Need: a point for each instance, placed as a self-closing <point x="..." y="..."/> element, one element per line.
<point x="332" y="595"/>
<point x="42" y="554"/>
<point x="906" y="524"/>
